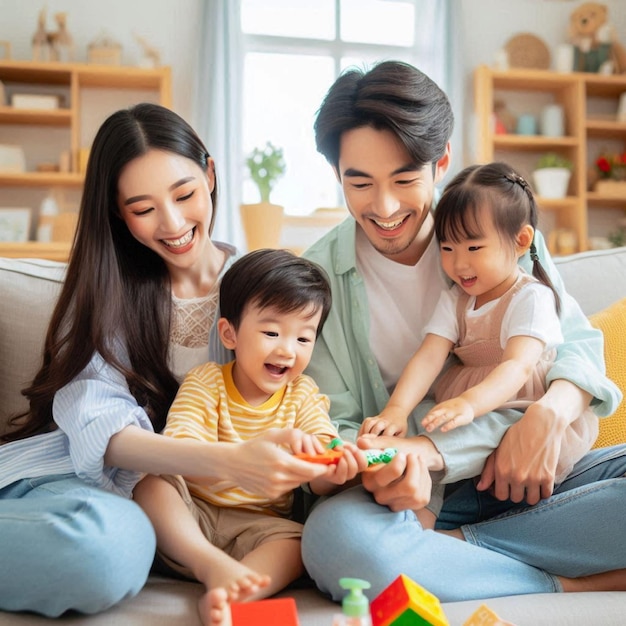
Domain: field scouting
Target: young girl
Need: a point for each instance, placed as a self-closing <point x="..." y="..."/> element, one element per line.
<point x="501" y="324"/>
<point x="137" y="310"/>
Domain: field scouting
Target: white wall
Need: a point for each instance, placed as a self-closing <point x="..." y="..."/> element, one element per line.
<point x="169" y="25"/>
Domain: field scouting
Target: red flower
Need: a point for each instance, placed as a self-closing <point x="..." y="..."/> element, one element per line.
<point x="603" y="164"/>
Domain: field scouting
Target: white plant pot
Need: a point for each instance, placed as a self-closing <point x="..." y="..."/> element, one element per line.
<point x="552" y="182"/>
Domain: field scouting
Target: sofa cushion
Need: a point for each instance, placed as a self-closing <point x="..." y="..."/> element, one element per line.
<point x="612" y="322"/>
<point x="29" y="289"/>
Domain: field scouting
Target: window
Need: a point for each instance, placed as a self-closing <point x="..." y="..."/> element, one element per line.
<point x="293" y="51"/>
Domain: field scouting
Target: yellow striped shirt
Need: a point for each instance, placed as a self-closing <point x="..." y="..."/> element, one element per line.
<point x="208" y="407"/>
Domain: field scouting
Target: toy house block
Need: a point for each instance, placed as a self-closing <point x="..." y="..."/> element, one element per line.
<point x="272" y="612"/>
<point x="484" y="616"/>
<point x="405" y="603"/>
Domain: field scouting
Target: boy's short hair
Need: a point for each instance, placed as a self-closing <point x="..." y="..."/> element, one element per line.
<point x="391" y="96"/>
<point x="274" y="278"/>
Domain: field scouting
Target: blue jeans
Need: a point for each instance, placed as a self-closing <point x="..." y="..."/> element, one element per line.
<point x="67" y="546"/>
<point x="509" y="549"/>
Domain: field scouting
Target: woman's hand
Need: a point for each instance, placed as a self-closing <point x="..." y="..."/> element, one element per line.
<point x="263" y="465"/>
<point x="403" y="483"/>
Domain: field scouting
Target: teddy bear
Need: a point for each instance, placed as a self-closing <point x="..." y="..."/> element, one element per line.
<point x="596" y="48"/>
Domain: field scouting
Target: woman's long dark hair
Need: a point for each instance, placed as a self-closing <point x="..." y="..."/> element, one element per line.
<point x="115" y="287"/>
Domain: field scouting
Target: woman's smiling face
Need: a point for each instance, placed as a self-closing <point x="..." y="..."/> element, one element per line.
<point x="165" y="201"/>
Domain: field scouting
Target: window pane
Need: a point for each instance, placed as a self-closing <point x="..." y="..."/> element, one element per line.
<point x="286" y="18"/>
<point x="282" y="93"/>
<point x="378" y="21"/>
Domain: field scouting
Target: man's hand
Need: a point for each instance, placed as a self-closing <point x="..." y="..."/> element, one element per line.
<point x="403" y="483"/>
<point x="523" y="466"/>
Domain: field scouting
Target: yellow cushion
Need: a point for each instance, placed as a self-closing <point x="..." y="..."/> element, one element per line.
<point x="612" y="322"/>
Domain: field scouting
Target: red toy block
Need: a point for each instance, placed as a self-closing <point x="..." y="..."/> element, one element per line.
<point x="405" y="603"/>
<point x="272" y="612"/>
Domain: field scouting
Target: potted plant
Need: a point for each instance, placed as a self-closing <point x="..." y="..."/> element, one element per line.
<point x="611" y="174"/>
<point x="552" y="174"/>
<point x="262" y="222"/>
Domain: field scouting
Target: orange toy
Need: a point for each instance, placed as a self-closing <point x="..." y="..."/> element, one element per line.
<point x="406" y="602"/>
<point x="272" y="612"/>
<point x="328" y="457"/>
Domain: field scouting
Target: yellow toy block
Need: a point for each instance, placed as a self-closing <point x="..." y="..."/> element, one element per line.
<point x="484" y="616"/>
<point x="405" y="603"/>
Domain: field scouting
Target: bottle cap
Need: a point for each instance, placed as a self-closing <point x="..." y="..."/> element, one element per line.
<point x="355" y="602"/>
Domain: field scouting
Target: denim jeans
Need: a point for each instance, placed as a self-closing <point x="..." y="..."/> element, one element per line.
<point x="509" y="549"/>
<point x="67" y="546"/>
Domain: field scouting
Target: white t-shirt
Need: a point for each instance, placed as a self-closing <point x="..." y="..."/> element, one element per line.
<point x="401" y="300"/>
<point x="533" y="315"/>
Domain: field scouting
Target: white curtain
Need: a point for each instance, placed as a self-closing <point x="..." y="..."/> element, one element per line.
<point x="217" y="108"/>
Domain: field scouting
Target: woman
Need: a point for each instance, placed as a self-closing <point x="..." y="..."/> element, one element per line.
<point x="136" y="311"/>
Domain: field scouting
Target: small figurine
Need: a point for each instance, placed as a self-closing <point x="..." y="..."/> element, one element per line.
<point x="41" y="47"/>
<point x="151" y="56"/>
<point x="61" y="42"/>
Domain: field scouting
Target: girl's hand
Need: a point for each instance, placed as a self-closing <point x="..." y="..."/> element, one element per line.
<point x="449" y="415"/>
<point x="387" y="423"/>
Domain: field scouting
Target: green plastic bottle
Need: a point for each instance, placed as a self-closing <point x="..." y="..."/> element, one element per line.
<point x="355" y="607"/>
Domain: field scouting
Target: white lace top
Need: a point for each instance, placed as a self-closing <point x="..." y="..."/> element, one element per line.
<point x="192" y="320"/>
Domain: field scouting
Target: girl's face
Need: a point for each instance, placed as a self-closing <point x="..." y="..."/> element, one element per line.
<point x="165" y="201"/>
<point x="271" y="348"/>
<point x="389" y="197"/>
<point x="485" y="267"/>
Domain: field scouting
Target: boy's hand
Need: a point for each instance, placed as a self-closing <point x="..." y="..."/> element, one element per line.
<point x="449" y="415"/>
<point x="303" y="443"/>
<point x="387" y="423"/>
<point x="352" y="462"/>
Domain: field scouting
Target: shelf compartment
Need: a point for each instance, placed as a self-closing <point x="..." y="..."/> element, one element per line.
<point x="52" y="117"/>
<point x="41" y="179"/>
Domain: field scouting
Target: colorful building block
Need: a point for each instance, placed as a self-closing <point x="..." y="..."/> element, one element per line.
<point x="405" y="603"/>
<point x="272" y="612"/>
<point x="484" y="616"/>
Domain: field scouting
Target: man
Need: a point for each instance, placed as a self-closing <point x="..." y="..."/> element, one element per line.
<point x="386" y="134"/>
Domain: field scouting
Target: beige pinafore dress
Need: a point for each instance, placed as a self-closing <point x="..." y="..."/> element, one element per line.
<point x="479" y="352"/>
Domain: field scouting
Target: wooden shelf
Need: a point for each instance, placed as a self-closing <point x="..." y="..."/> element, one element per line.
<point x="76" y="125"/>
<point x="581" y="95"/>
<point x="41" y="179"/>
<point x="53" y="117"/>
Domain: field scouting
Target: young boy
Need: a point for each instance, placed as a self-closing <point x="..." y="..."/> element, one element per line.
<point x="243" y="545"/>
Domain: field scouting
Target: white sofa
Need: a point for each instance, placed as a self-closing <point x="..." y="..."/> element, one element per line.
<point x="28" y="289"/>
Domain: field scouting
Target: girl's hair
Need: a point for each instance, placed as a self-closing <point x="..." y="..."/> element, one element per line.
<point x="116" y="289"/>
<point x="391" y="96"/>
<point x="277" y="279"/>
<point x="510" y="200"/>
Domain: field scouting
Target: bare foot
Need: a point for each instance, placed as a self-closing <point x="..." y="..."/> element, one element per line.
<point x="605" y="581"/>
<point x="214" y="608"/>
<point x="214" y="605"/>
